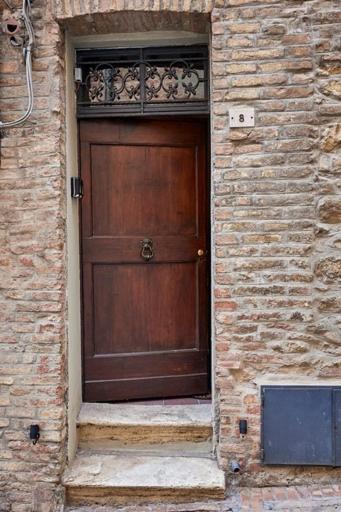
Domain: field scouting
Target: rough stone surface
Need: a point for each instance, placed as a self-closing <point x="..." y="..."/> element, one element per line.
<point x="114" y="478"/>
<point x="275" y="223"/>
<point x="286" y="499"/>
<point x="329" y="269"/>
<point x="143" y="423"/>
<point x="145" y="415"/>
<point x="330" y="210"/>
<point x="331" y="138"/>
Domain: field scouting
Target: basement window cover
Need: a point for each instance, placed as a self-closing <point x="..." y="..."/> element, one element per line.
<point x="143" y="81"/>
<point x="301" y="425"/>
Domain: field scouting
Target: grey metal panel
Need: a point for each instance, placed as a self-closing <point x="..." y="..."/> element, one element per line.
<point x="297" y="425"/>
<point x="337" y="426"/>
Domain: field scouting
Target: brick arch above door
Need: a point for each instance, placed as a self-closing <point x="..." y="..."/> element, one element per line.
<point x="93" y="17"/>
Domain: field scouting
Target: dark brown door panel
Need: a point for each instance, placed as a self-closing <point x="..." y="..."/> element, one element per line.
<point x="145" y="321"/>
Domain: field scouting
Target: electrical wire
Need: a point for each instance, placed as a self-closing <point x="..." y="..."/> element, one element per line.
<point x="8" y="5"/>
<point x="26" y="11"/>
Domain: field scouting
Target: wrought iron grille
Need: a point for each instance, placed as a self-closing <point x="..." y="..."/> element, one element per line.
<point x="143" y="81"/>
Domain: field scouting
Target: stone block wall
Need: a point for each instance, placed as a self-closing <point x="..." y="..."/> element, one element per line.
<point x="276" y="225"/>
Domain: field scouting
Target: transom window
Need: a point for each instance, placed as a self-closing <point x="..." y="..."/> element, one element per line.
<point x="143" y="81"/>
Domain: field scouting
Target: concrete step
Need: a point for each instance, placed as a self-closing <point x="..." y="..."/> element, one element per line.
<point x="132" y="423"/>
<point x="114" y="479"/>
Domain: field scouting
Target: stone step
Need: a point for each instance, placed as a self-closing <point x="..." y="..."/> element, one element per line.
<point x="170" y="448"/>
<point x="231" y="504"/>
<point x="132" y="423"/>
<point x="112" y="479"/>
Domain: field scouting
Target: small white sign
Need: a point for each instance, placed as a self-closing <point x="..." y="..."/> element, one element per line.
<point x="241" y="116"/>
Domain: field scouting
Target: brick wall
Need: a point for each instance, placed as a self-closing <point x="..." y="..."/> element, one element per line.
<point x="277" y="214"/>
<point x="32" y="276"/>
<point x="277" y="211"/>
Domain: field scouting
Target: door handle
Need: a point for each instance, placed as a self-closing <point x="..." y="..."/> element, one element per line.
<point x="147" y="249"/>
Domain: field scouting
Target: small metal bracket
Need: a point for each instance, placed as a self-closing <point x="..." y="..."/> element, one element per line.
<point x="76" y="187"/>
<point x="262" y="455"/>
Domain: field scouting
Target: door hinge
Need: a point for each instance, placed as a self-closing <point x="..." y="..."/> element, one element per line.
<point x="76" y="187"/>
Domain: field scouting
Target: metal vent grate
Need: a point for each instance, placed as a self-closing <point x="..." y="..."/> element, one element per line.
<point x="143" y="81"/>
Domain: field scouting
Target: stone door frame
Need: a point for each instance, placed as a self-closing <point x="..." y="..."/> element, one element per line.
<point x="72" y="215"/>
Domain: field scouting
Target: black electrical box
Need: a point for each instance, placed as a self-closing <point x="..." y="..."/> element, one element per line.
<point x="301" y="425"/>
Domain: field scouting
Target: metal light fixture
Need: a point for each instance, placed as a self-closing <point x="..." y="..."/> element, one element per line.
<point x="34" y="433"/>
<point x="243" y="427"/>
<point x="76" y="187"/>
<point x="78" y="75"/>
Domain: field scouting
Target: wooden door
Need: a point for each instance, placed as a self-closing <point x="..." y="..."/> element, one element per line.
<point x="145" y="321"/>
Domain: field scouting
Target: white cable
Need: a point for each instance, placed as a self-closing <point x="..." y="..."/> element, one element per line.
<point x="28" y="66"/>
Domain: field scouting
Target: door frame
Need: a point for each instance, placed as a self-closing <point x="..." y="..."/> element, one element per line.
<point x="73" y="330"/>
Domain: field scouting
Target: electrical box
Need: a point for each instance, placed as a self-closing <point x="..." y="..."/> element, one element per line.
<point x="242" y="117"/>
<point x="301" y="425"/>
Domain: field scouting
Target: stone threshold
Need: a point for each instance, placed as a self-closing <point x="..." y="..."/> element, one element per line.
<point x="199" y="415"/>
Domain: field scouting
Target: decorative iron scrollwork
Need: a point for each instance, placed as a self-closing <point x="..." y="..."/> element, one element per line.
<point x="152" y="78"/>
<point x="173" y="81"/>
<point x="106" y="83"/>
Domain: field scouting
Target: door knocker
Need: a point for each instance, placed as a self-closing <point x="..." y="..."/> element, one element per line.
<point x="147" y="249"/>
